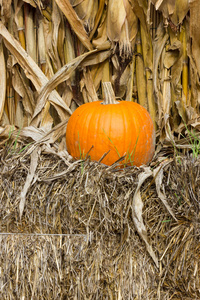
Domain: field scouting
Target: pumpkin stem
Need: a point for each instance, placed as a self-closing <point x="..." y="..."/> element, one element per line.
<point x="109" y="95"/>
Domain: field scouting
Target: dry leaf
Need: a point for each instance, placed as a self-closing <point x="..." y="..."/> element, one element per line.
<point x="173" y="60"/>
<point x="41" y="42"/>
<point x="97" y="73"/>
<point x="115" y="19"/>
<point x="158" y="46"/>
<point x="36" y="134"/>
<point x="137" y="213"/>
<point x="30" y="32"/>
<point x="54" y="134"/>
<point x="195" y="32"/>
<point x="29" y="179"/>
<point x="33" y="72"/>
<point x="180" y="11"/>
<point x="159" y="175"/>
<point x="99" y="15"/>
<point x="166" y="6"/>
<point x="20" y="120"/>
<point x="6" y="9"/>
<point x="23" y="90"/>
<point x="87" y="11"/>
<point x="101" y="40"/>
<point x="69" y="50"/>
<point x="89" y="58"/>
<point x="2" y="80"/>
<point x="30" y="68"/>
<point x="31" y="2"/>
<point x="6" y="131"/>
<point x="87" y="87"/>
<point x="75" y="22"/>
<point x="132" y="21"/>
<point x="63" y="74"/>
<point x="53" y="47"/>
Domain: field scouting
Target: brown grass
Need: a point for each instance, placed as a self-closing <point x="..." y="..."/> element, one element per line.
<point x="77" y="237"/>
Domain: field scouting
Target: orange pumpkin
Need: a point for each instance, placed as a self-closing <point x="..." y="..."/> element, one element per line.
<point x="120" y="127"/>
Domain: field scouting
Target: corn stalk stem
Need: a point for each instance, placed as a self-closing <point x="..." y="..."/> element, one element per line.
<point x="148" y="65"/>
<point x="20" y="27"/>
<point x="140" y="74"/>
<point x="183" y="38"/>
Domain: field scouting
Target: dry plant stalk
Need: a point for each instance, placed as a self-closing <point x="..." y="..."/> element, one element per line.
<point x="185" y="80"/>
<point x="2" y="81"/>
<point x="52" y="44"/>
<point x="99" y="232"/>
<point x="140" y="73"/>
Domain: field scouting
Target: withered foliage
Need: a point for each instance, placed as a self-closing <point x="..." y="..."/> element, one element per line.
<point x="54" y="55"/>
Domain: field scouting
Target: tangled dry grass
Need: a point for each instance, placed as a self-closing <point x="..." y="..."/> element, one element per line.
<point x="83" y="230"/>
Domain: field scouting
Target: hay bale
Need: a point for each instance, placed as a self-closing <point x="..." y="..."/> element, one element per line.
<point x="77" y="239"/>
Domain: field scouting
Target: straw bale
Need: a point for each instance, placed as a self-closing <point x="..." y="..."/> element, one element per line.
<point x="76" y="238"/>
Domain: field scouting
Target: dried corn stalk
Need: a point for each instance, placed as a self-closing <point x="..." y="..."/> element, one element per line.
<point x="160" y="70"/>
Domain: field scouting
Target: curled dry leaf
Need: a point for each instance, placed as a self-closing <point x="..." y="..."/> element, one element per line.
<point x="180" y="11"/>
<point x="96" y="73"/>
<point x="140" y="74"/>
<point x="54" y="134"/>
<point x="115" y="19"/>
<point x="33" y="72"/>
<point x="87" y="87"/>
<point x="31" y="2"/>
<point x="23" y="90"/>
<point x="166" y="6"/>
<point x="63" y="74"/>
<point x="75" y="22"/>
<point x="98" y="17"/>
<point x="101" y="40"/>
<point x="36" y="134"/>
<point x="54" y="46"/>
<point x="87" y="11"/>
<point x="137" y="206"/>
<point x="173" y="54"/>
<point x="69" y="49"/>
<point x="121" y="25"/>
<point x="132" y="21"/>
<point x="173" y="60"/>
<point x="31" y="69"/>
<point x="88" y="58"/>
<point x="158" y="174"/>
<point x="29" y="179"/>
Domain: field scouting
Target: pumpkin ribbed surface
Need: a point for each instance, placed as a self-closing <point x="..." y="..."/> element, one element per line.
<point x="124" y="128"/>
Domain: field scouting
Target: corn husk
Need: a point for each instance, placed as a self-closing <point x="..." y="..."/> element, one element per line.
<point x="2" y="80"/>
<point x="86" y="11"/>
<point x="75" y="22"/>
